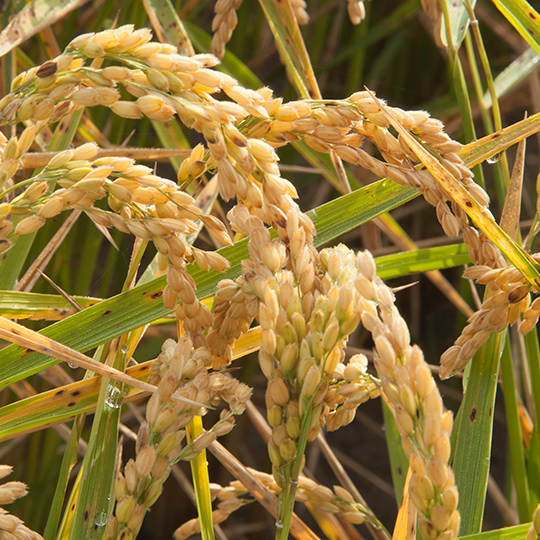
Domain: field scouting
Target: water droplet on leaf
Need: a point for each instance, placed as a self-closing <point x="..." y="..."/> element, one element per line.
<point x="113" y="397"/>
<point x="101" y="519"/>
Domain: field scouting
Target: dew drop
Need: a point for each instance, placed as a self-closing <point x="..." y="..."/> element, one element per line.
<point x="125" y="349"/>
<point x="101" y="519"/>
<point x="72" y="366"/>
<point x="113" y="397"/>
<point x="486" y="461"/>
<point x="494" y="158"/>
<point x="279" y="524"/>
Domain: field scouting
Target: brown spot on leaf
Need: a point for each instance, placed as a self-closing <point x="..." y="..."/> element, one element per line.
<point x="157" y="294"/>
<point x="472" y="414"/>
<point x="108" y="312"/>
<point x="72" y="404"/>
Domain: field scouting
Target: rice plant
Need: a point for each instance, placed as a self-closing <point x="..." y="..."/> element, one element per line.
<point x="209" y="232"/>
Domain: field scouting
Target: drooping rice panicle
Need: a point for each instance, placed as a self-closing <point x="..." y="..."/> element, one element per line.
<point x="508" y="303"/>
<point x="223" y="25"/>
<point x="411" y="393"/>
<point x="180" y="370"/>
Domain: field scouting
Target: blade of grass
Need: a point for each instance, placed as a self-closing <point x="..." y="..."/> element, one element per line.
<point x="524" y="18"/>
<point x="534" y="469"/>
<point x="517" y="532"/>
<point x="289" y="40"/>
<point x="515" y="438"/>
<point x="11" y="263"/>
<point x="398" y="460"/>
<point x="472" y="434"/>
<point x="413" y="262"/>
<point x="201" y="481"/>
<point x="513" y="74"/>
<point x="492" y="145"/>
<point x="509" y="221"/>
<point x="33" y="18"/>
<point x="533" y="359"/>
<point x="68" y="462"/>
<point x="405" y="526"/>
<point x="67" y="517"/>
<point x="168" y="25"/>
<point x="94" y="491"/>
<point x="30" y="339"/>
